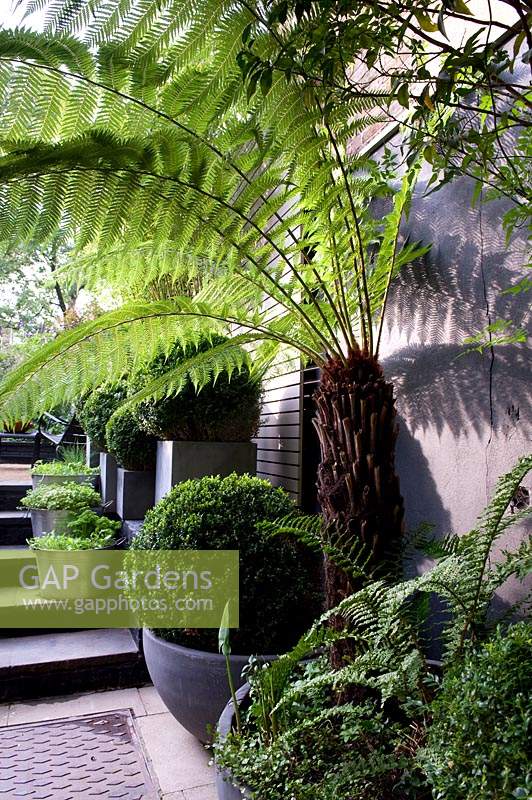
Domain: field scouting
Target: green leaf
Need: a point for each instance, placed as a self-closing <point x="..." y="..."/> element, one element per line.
<point x="441" y="23"/>
<point x="429" y="153"/>
<point x="425" y="22"/>
<point x="462" y="8"/>
<point x="266" y="81"/>
<point x="403" y="95"/>
<point x="518" y="41"/>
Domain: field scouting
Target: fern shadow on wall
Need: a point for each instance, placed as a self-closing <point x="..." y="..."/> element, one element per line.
<point x="448" y="294"/>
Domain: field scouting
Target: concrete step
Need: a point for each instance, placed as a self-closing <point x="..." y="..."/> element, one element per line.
<point x="11" y="493"/>
<point x="15" y="528"/>
<point x="64" y="662"/>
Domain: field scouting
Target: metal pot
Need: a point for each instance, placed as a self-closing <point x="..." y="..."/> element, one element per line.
<point x="44" y="520"/>
<point x="38" y="480"/>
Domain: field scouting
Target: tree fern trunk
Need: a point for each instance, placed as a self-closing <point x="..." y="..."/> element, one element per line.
<point x="358" y="488"/>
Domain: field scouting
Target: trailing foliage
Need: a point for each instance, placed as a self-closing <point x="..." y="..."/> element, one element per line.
<point x="62" y="496"/>
<point x="225" y="409"/>
<point x="279" y="582"/>
<point x="478" y="746"/>
<point x="132" y="447"/>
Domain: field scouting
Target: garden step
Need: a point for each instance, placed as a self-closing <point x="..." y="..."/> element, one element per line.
<point x="11" y="494"/>
<point x="20" y="554"/>
<point x="15" y="527"/>
<point x="63" y="662"/>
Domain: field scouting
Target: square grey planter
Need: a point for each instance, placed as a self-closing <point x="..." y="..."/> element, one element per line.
<point x="93" y="454"/>
<point x="180" y="461"/>
<point x="108" y="473"/>
<point x="135" y="491"/>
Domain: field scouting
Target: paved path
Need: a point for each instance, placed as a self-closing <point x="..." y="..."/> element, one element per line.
<point x="179" y="762"/>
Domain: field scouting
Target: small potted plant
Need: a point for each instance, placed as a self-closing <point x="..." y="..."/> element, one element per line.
<point x="87" y="532"/>
<point x="53" y="506"/>
<point x="69" y="468"/>
<point x="94" y="412"/>
<point x="280" y="590"/>
<point x="201" y="433"/>
<point x="134" y="451"/>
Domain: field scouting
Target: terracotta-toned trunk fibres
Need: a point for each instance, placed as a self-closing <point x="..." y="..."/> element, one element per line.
<point x="358" y="488"/>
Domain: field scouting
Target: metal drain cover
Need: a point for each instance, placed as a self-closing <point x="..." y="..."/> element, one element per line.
<point x="98" y="756"/>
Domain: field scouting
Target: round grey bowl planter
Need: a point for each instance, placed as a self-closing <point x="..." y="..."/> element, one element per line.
<point x="37" y="480"/>
<point x="192" y="683"/>
<point x="225" y="787"/>
<point x="44" y="520"/>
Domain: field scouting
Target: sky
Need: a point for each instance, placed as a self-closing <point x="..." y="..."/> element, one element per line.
<point x="10" y="18"/>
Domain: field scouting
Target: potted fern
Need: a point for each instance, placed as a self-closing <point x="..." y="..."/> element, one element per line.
<point x="279" y="590"/>
<point x="53" y="506"/>
<point x="134" y="452"/>
<point x="205" y="432"/>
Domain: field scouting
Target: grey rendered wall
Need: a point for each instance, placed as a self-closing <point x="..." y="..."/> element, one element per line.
<point x="464" y="419"/>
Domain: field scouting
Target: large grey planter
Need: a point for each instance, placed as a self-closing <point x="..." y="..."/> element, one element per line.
<point x="192" y="683"/>
<point x="46" y="520"/>
<point x="225" y="787"/>
<point x="135" y="491"/>
<point x="37" y="480"/>
<point x="180" y="461"/>
<point x="108" y="478"/>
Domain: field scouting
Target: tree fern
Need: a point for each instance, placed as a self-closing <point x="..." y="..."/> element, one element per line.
<point x="174" y="161"/>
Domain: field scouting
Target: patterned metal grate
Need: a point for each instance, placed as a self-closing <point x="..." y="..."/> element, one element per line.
<point x="97" y="756"/>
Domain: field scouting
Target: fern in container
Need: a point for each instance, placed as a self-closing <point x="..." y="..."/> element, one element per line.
<point x="364" y="730"/>
<point x="53" y="506"/>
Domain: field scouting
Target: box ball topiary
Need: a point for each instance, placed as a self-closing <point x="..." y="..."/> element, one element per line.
<point x="478" y="746"/>
<point x="280" y="580"/>
<point x="96" y="409"/>
<point x="224" y="410"/>
<point x="132" y="447"/>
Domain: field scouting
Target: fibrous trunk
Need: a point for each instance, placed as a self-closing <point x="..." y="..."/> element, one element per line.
<point x="357" y="486"/>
